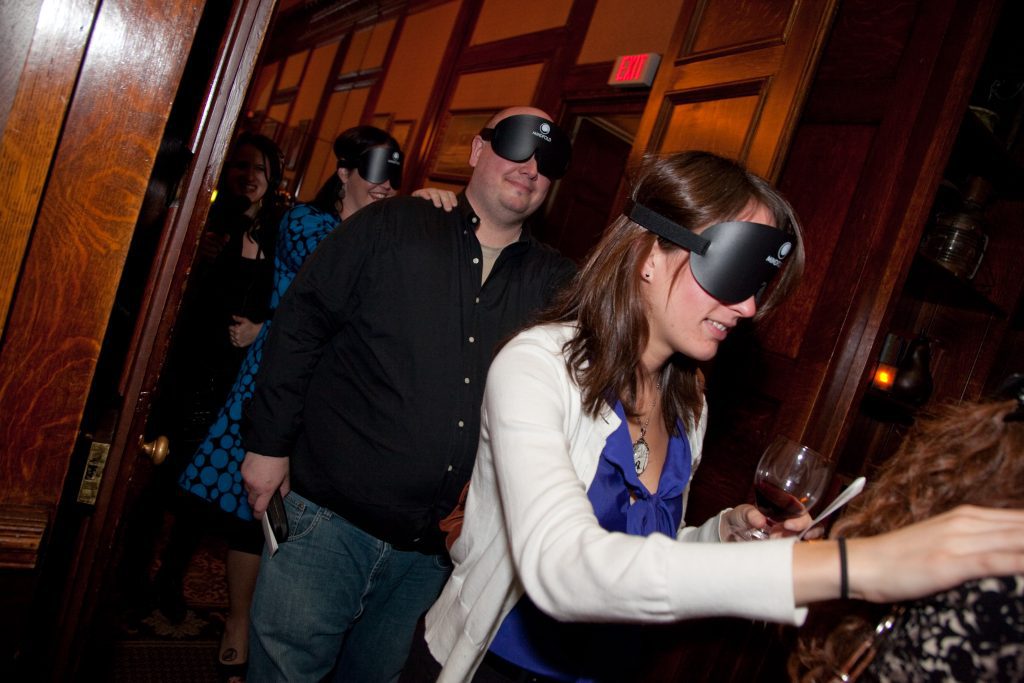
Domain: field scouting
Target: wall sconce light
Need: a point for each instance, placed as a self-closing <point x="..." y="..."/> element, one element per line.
<point x="914" y="380"/>
<point x="888" y="359"/>
<point x="884" y="377"/>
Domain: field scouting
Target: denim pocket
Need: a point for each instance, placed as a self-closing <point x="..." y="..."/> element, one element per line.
<point x="303" y="516"/>
<point x="443" y="561"/>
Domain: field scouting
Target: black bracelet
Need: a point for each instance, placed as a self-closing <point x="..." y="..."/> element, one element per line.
<point x="844" y="588"/>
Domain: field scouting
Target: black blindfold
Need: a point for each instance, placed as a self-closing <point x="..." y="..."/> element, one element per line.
<point x="731" y="261"/>
<point x="517" y="138"/>
<point x="381" y="163"/>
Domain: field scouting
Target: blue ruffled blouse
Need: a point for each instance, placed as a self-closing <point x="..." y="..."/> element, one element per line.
<point x="587" y="652"/>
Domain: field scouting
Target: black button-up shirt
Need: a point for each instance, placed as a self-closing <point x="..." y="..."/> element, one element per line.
<point x="373" y="373"/>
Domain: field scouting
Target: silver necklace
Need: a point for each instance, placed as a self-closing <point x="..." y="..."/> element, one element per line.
<point x="641" y="451"/>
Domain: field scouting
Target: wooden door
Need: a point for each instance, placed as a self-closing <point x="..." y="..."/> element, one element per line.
<point x="862" y="168"/>
<point x="582" y="201"/>
<point x="130" y="64"/>
<point x="733" y="82"/>
<point x="734" y="79"/>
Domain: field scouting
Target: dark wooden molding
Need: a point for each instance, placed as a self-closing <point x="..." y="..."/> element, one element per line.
<point x="499" y="54"/>
<point x="321" y="22"/>
<point x="550" y="94"/>
<point x="892" y="202"/>
<point x="22" y="528"/>
<point x="588" y="85"/>
<point x="318" y="118"/>
<point x="441" y="93"/>
<point x="389" y="54"/>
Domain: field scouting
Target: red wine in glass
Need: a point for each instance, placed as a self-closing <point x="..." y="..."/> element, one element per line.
<point x="775" y="503"/>
<point x="789" y="480"/>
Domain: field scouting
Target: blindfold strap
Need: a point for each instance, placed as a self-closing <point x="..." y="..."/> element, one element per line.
<point x="670" y="230"/>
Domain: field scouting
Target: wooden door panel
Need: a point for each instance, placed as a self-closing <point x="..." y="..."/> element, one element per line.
<point x="31" y="127"/>
<point x="737" y="80"/>
<point x="581" y="203"/>
<point x="710" y="119"/>
<point x="723" y="26"/>
<point x="840" y="152"/>
<point x="85" y="166"/>
<point x="80" y="238"/>
<point x="91" y="579"/>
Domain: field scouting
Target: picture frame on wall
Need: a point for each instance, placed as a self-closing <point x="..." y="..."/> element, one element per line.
<point x="292" y="141"/>
<point x="450" y="158"/>
<point x="382" y="121"/>
<point x="401" y="130"/>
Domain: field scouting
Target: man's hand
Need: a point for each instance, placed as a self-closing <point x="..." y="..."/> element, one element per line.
<point x="263" y="475"/>
<point x="442" y="199"/>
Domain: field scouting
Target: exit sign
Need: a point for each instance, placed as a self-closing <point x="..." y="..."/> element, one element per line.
<point x="635" y="69"/>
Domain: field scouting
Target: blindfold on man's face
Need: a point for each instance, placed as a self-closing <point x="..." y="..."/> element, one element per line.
<point x="517" y="138"/>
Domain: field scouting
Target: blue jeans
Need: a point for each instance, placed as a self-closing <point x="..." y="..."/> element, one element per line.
<point x="335" y="596"/>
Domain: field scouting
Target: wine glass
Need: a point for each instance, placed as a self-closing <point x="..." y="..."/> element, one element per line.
<point x="790" y="479"/>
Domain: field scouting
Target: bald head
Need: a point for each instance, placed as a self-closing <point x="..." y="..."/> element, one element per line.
<point x="516" y="111"/>
<point x="507" y="185"/>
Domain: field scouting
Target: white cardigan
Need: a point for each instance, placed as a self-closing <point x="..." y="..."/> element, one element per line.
<point x="530" y="526"/>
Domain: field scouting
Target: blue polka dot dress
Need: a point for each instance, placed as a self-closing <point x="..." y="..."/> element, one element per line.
<point x="215" y="471"/>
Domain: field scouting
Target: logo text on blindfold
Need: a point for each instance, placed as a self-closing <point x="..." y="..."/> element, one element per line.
<point x="543" y="133"/>
<point x="783" y="253"/>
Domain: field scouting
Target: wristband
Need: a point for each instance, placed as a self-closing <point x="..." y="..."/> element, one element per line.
<point x="844" y="588"/>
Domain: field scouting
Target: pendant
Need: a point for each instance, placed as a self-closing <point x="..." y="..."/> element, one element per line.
<point x="641" y="454"/>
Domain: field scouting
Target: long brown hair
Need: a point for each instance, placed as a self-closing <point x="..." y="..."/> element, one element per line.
<point x="961" y="454"/>
<point x="694" y="189"/>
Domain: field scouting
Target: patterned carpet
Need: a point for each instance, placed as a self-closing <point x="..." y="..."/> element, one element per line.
<point x="149" y="648"/>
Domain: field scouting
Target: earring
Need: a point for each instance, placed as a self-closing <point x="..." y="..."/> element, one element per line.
<point x="647" y="276"/>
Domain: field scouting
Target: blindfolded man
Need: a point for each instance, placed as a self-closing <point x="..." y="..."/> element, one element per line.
<point x="366" y="409"/>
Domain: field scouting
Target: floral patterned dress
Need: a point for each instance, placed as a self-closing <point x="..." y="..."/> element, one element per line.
<point x="214" y="474"/>
<point x="970" y="634"/>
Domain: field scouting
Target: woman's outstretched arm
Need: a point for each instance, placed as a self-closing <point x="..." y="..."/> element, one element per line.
<point x="934" y="555"/>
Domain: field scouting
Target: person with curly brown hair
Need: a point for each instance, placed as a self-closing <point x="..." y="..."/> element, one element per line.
<point x="970" y="453"/>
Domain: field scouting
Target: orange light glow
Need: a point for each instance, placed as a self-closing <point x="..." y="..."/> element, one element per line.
<point x="884" y="376"/>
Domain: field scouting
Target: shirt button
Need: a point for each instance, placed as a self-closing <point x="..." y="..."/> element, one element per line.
<point x="474" y="220"/>
<point x="472" y="339"/>
<point x="450" y="468"/>
<point x="461" y="423"/>
<point x="466" y="380"/>
<point x="476" y="260"/>
<point x="476" y="300"/>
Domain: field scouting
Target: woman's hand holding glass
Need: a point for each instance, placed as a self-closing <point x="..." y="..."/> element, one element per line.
<point x="743" y="521"/>
<point x="790" y="479"/>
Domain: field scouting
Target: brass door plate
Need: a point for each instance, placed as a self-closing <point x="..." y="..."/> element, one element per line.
<point x="89" y="489"/>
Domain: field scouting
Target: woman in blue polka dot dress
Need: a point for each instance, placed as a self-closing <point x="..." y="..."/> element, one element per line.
<point x="214" y="472"/>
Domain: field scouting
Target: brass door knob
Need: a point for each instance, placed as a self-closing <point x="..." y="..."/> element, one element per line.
<point x="157" y="449"/>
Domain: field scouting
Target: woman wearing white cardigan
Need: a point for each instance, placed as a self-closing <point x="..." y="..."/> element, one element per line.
<point x="592" y="425"/>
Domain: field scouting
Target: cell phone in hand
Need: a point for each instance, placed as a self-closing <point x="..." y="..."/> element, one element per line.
<point x="275" y="522"/>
